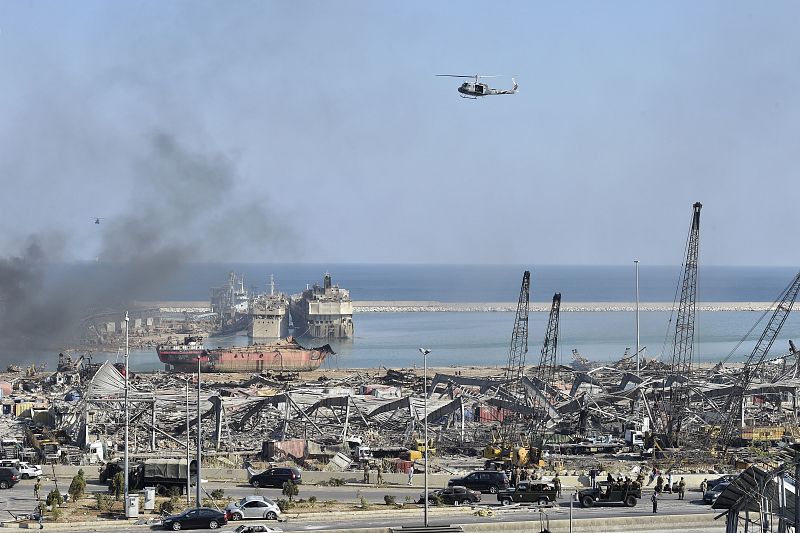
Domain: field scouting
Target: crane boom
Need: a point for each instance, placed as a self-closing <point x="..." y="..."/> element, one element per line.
<point x="516" y="360"/>
<point x="683" y="340"/>
<point x="735" y="402"/>
<point x="546" y="371"/>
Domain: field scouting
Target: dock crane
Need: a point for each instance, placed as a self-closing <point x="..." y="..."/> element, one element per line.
<point x="676" y="383"/>
<point x="545" y="374"/>
<point x="512" y="393"/>
<point x="734" y="405"/>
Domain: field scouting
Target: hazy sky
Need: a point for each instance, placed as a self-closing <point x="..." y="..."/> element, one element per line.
<point x="337" y="144"/>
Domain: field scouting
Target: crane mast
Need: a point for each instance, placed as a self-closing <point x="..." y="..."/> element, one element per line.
<point x="683" y="340"/>
<point x="515" y="368"/>
<point x="546" y="371"/>
<point x="734" y="405"/>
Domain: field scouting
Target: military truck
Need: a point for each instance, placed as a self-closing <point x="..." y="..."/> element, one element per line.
<point x="163" y="474"/>
<point x="607" y="492"/>
<point x="539" y="492"/>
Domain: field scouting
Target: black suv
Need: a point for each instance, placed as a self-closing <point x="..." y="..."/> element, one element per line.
<point x="8" y="477"/>
<point x="482" y="480"/>
<point x="276" y="477"/>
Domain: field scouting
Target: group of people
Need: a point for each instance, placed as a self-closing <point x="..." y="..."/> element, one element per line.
<point x="519" y="474"/>
<point x="668" y="485"/>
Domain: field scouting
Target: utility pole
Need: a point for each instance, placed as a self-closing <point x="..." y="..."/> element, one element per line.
<point x="638" y="363"/>
<point x="126" y="488"/>
<point x="425" y="352"/>
<point x="199" y="439"/>
<point x="188" y="458"/>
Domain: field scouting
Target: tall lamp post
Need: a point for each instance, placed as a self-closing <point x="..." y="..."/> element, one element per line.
<point x="199" y="438"/>
<point x="638" y="366"/>
<point x="425" y="352"/>
<point x="127" y="419"/>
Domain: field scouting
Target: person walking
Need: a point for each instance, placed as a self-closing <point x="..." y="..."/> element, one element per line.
<point x="37" y="487"/>
<point x="654" y="499"/>
<point x="659" y="484"/>
<point x="557" y="485"/>
<point x="380" y="475"/>
<point x="366" y="473"/>
<point x="669" y="482"/>
<point x="681" y="488"/>
<point x="410" y="472"/>
<point x="704" y="486"/>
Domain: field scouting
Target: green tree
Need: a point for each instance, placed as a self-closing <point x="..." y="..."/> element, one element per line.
<point x="117" y="485"/>
<point x="77" y="487"/>
<point x="54" y="498"/>
<point x="290" y="490"/>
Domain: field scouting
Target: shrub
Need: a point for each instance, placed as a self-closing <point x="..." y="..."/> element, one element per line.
<point x="77" y="487"/>
<point x="290" y="490"/>
<point x="170" y="506"/>
<point x="312" y="500"/>
<point x="104" y="502"/>
<point x="336" y="482"/>
<point x="217" y="494"/>
<point x="173" y="491"/>
<point x="388" y="499"/>
<point x="363" y="503"/>
<point x="283" y="504"/>
<point x="438" y="501"/>
<point x="54" y="498"/>
<point x="56" y="513"/>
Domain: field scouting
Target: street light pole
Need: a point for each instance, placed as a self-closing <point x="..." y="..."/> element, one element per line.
<point x="199" y="438"/>
<point x="188" y="458"/>
<point x="638" y="366"/>
<point x="425" y="352"/>
<point x="127" y="418"/>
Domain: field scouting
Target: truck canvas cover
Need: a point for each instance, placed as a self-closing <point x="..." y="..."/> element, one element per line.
<point x="167" y="468"/>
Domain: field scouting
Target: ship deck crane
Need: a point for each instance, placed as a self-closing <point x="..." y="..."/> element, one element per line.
<point x="734" y="405"/>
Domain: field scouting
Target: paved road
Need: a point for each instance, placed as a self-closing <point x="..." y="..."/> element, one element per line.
<point x="21" y="499"/>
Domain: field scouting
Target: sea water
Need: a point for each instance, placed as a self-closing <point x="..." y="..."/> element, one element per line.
<point x="483" y="338"/>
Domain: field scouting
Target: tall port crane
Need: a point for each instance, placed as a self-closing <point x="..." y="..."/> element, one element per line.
<point x="734" y="405"/>
<point x="683" y="340"/>
<point x="512" y="424"/>
<point x="545" y="375"/>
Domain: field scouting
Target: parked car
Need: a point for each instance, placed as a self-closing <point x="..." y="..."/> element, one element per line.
<point x="8" y="477"/>
<point x="455" y="495"/>
<point x="197" y="518"/>
<point x="26" y="470"/>
<point x="482" y="480"/>
<point x="247" y="528"/>
<point x="276" y="477"/>
<point x="528" y="492"/>
<point x="252" y="507"/>
<point x="711" y="495"/>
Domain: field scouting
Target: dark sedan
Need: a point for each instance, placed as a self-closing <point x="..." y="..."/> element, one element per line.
<point x="198" y="518"/>
<point x="276" y="477"/>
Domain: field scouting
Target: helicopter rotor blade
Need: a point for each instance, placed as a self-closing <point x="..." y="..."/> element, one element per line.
<point x="453" y="76"/>
<point x="472" y="76"/>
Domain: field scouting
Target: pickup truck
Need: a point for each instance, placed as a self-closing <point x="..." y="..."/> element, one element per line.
<point x="539" y="492"/>
<point x="607" y="492"/>
<point x="26" y="470"/>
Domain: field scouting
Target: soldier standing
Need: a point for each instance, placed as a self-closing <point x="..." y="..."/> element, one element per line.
<point x="380" y="475"/>
<point x="681" y="488"/>
<point x="366" y="473"/>
<point x="37" y="487"/>
<point x="654" y="499"/>
<point x="557" y="485"/>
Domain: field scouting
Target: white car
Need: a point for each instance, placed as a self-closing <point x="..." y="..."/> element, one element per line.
<point x="26" y="470"/>
<point x="253" y="507"/>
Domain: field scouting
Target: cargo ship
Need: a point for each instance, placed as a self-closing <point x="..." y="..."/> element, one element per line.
<point x="323" y="312"/>
<point x="281" y="355"/>
<point x="183" y="356"/>
<point x="269" y="315"/>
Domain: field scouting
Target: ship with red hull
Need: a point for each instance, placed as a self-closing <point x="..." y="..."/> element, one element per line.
<point x="284" y="355"/>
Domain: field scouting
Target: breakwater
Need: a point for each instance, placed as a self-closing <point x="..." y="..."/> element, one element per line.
<point x="544" y="307"/>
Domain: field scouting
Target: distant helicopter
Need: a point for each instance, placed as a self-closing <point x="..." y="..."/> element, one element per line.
<point x="474" y="89"/>
<point x="97" y="220"/>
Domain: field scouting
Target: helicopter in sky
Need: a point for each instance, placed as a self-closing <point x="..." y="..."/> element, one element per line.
<point x="97" y="220"/>
<point x="474" y="89"/>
